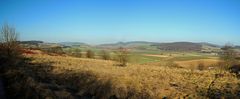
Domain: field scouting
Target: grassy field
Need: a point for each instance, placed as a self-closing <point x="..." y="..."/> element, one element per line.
<point x="151" y="56"/>
<point x="70" y="77"/>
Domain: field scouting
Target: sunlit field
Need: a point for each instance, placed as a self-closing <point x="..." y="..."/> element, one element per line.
<point x="105" y="79"/>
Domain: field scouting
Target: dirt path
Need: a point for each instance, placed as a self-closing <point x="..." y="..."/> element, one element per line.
<point x="2" y="94"/>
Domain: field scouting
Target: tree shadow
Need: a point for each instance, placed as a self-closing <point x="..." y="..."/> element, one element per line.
<point x="225" y="92"/>
<point x="38" y="81"/>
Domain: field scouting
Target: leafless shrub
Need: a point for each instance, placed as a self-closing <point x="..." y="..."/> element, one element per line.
<point x="10" y="51"/>
<point x="90" y="54"/>
<point x="200" y="66"/>
<point x="105" y="55"/>
<point x="122" y="56"/>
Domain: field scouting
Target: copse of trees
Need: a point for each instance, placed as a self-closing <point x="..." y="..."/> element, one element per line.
<point x="90" y="54"/>
<point x="122" y="56"/>
<point x="10" y="50"/>
<point x="105" y="55"/>
<point x="55" y="50"/>
<point x="77" y="53"/>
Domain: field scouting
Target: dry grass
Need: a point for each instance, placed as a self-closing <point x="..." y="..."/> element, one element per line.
<point x="105" y="79"/>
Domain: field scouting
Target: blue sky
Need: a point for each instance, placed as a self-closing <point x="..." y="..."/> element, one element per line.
<point x="106" y="21"/>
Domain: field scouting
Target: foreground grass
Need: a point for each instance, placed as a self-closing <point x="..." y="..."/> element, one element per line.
<point x="68" y="77"/>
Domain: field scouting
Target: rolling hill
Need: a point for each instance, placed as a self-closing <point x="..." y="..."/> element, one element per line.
<point x="174" y="46"/>
<point x="136" y="45"/>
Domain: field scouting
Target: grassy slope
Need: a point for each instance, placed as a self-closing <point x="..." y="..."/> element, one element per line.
<point x="137" y="81"/>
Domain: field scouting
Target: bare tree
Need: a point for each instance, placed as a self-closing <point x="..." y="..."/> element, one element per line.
<point x="105" y="55"/>
<point x="90" y="54"/>
<point x="9" y="46"/>
<point x="122" y="56"/>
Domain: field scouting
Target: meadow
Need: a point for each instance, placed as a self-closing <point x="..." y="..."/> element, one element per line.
<point x="63" y="76"/>
<point x="185" y="59"/>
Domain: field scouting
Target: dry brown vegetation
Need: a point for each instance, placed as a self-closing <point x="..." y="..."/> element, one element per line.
<point x="122" y="56"/>
<point x="10" y="51"/>
<point x="90" y="54"/>
<point x="105" y="55"/>
<point x="47" y="76"/>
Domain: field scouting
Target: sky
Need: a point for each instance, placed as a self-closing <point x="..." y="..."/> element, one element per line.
<point x="107" y="21"/>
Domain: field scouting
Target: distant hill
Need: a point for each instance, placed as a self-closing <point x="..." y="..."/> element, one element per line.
<point x="39" y="44"/>
<point x="138" y="45"/>
<point x="174" y="46"/>
<point x="179" y="46"/>
<point x="73" y="44"/>
<point x="132" y="44"/>
<point x="33" y="42"/>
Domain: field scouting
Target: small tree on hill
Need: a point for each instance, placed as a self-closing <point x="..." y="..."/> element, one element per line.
<point x="122" y="56"/>
<point x="90" y="54"/>
<point x="9" y="47"/>
<point x="105" y="55"/>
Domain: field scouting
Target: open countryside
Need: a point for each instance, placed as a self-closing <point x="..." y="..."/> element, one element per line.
<point x="121" y="49"/>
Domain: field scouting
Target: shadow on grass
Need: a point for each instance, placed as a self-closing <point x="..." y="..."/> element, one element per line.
<point x="226" y="91"/>
<point x="37" y="81"/>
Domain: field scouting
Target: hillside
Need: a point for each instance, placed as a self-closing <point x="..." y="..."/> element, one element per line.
<point x="180" y="46"/>
<point x="73" y="44"/>
<point x="72" y="78"/>
<point x="132" y="45"/>
<point x="33" y="42"/>
<point x="135" y="45"/>
<point x="175" y="46"/>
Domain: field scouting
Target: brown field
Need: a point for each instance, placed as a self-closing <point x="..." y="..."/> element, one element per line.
<point x="155" y="55"/>
<point x="106" y="79"/>
<point x="194" y="63"/>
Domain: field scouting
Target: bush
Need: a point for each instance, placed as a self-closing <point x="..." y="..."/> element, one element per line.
<point x="172" y="64"/>
<point x="200" y="66"/>
<point x="10" y="50"/>
<point x="105" y="55"/>
<point x="90" y="54"/>
<point x="122" y="56"/>
<point x="235" y="69"/>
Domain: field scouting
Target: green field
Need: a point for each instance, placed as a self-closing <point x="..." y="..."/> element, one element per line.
<point x="137" y="56"/>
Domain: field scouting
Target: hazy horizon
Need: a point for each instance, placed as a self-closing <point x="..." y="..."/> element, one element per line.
<point x="106" y="21"/>
<point x="115" y="42"/>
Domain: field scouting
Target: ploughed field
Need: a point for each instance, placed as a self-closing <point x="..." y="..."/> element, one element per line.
<point x="55" y="76"/>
